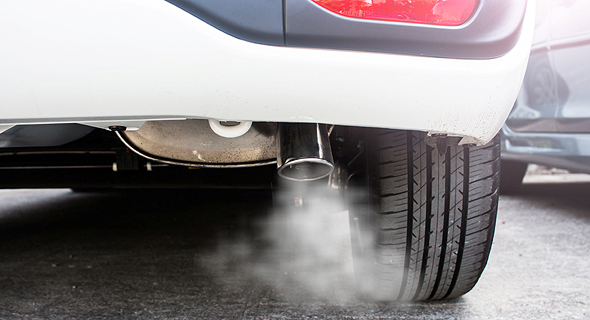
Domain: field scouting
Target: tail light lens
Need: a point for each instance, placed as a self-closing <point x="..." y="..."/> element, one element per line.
<point x="436" y="12"/>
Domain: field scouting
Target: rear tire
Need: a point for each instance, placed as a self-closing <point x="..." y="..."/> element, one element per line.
<point x="424" y="231"/>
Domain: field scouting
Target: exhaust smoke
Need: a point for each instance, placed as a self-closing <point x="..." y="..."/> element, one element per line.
<point x="300" y="250"/>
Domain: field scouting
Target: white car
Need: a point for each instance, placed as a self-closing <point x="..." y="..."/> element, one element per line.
<point x="400" y="98"/>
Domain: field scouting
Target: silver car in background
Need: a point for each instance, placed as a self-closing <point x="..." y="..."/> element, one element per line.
<point x="550" y="122"/>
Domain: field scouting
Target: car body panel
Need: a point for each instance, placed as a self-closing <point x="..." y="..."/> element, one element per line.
<point x="147" y="60"/>
<point x="492" y="30"/>
<point x="259" y="21"/>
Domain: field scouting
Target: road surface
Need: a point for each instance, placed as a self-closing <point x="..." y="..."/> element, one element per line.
<point x="227" y="254"/>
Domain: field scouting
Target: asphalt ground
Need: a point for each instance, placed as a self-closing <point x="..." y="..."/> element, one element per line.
<point x="227" y="254"/>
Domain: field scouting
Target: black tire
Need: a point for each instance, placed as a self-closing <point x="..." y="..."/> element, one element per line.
<point x="512" y="173"/>
<point x="425" y="230"/>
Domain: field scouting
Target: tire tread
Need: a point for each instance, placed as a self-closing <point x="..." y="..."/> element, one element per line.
<point x="433" y="212"/>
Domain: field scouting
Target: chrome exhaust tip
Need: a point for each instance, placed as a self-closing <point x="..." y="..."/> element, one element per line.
<point x="304" y="152"/>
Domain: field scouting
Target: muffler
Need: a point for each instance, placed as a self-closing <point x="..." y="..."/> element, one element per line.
<point x="304" y="152"/>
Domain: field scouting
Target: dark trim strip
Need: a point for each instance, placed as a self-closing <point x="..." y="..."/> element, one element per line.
<point x="492" y="32"/>
<point x="258" y="21"/>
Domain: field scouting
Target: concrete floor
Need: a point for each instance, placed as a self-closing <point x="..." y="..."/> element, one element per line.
<point x="171" y="254"/>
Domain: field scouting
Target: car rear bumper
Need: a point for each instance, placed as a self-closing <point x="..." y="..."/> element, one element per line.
<point x="119" y="62"/>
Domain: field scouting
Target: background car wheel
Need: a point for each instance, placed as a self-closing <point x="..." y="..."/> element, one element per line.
<point x="425" y="229"/>
<point x="511" y="176"/>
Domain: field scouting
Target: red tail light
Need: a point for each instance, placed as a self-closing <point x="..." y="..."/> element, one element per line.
<point x="437" y="12"/>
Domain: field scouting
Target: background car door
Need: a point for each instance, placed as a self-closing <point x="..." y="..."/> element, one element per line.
<point x="570" y="57"/>
<point x="537" y="104"/>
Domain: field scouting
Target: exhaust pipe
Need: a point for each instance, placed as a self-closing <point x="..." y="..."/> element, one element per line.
<point x="304" y="152"/>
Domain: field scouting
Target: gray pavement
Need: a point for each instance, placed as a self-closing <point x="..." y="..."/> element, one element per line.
<point x="195" y="254"/>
